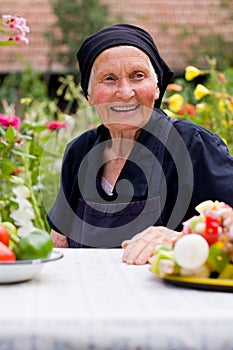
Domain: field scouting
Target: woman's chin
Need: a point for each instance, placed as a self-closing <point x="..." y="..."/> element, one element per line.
<point x="126" y="125"/>
<point x="123" y="127"/>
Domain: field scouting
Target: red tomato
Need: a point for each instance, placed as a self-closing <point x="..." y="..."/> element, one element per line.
<point x="211" y="230"/>
<point x="4" y="235"/>
<point x="6" y="253"/>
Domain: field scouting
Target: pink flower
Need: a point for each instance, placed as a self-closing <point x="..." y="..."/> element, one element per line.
<point x="6" y="120"/>
<point x="56" y="125"/>
<point x="21" y="38"/>
<point x="17" y="24"/>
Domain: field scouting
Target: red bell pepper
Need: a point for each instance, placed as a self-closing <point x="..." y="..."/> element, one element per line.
<point x="4" y="235"/>
<point x="6" y="254"/>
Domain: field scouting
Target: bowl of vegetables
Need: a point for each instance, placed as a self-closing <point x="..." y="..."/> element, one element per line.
<point x="21" y="259"/>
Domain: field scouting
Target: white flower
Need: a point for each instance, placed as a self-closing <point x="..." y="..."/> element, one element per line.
<point x="25" y="229"/>
<point x="17" y="180"/>
<point x="24" y="214"/>
<point x="21" y="192"/>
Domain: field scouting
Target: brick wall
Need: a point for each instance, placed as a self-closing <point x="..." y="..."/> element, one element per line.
<point x="164" y="19"/>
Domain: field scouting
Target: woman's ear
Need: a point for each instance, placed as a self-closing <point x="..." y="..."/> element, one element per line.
<point x="90" y="100"/>
<point x="157" y="93"/>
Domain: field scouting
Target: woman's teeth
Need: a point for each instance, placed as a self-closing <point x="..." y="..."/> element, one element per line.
<point x="124" y="108"/>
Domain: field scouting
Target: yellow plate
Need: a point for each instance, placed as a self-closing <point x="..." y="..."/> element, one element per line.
<point x="213" y="284"/>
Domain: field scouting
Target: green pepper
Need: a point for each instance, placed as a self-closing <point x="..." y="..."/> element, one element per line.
<point x="217" y="259"/>
<point x="36" y="245"/>
<point x="164" y="262"/>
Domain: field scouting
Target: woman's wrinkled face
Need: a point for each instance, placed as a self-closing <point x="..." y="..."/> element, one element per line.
<point x="123" y="88"/>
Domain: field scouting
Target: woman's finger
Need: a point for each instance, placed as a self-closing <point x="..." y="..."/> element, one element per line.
<point x="133" y="250"/>
<point x="125" y="243"/>
<point x="144" y="255"/>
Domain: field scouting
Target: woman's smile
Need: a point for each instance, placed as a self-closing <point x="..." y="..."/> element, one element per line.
<point x="125" y="108"/>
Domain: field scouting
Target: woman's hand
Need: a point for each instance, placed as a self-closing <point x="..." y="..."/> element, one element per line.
<point x="140" y="248"/>
<point x="59" y="240"/>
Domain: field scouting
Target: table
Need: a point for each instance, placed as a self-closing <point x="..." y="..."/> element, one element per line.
<point x="91" y="300"/>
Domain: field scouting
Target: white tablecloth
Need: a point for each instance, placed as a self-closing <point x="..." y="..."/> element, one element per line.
<point x="91" y="300"/>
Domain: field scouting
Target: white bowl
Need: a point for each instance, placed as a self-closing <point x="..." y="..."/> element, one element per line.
<point x="23" y="270"/>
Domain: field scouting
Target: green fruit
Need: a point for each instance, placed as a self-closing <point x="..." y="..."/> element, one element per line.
<point x="36" y="245"/>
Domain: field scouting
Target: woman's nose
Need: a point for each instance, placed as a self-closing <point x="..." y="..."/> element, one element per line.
<point x="124" y="90"/>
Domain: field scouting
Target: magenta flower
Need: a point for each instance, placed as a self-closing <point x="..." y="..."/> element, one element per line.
<point x="56" y="125"/>
<point x="6" y="120"/>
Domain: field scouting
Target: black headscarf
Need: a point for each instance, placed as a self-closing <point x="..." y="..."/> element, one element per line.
<point x="116" y="35"/>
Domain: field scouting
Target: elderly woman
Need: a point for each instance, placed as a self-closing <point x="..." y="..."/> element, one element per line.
<point x="133" y="181"/>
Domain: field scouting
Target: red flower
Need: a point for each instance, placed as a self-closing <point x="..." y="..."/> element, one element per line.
<point x="6" y="120"/>
<point x="187" y="108"/>
<point x="17" y="171"/>
<point x="174" y="87"/>
<point x="56" y="125"/>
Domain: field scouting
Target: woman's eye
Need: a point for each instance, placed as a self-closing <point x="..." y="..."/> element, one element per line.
<point x="109" y="78"/>
<point x="139" y="75"/>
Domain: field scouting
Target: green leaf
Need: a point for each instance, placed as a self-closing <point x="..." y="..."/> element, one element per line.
<point x="6" y="167"/>
<point x="22" y="154"/>
<point x="8" y="43"/>
<point x="37" y="127"/>
<point x="2" y="131"/>
<point x="3" y="143"/>
<point x="3" y="31"/>
<point x="35" y="149"/>
<point x="10" y="135"/>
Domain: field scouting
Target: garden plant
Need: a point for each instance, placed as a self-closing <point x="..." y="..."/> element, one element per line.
<point x="204" y="97"/>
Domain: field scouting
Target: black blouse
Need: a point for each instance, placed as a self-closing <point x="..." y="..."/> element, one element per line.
<point x="193" y="165"/>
